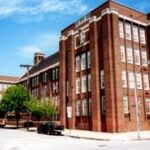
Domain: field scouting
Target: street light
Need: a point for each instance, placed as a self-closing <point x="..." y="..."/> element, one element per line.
<point x="28" y="68"/>
<point x="137" y="104"/>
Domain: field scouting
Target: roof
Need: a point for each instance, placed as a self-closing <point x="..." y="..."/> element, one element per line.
<point x="8" y="79"/>
<point x="45" y="63"/>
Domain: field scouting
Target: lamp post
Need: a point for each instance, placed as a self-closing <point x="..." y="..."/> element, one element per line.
<point x="137" y="103"/>
<point x="28" y="68"/>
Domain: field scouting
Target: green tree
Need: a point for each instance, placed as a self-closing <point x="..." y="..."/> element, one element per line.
<point x="40" y="109"/>
<point x="14" y="100"/>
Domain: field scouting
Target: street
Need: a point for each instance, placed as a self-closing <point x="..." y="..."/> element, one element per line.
<point x="23" y="140"/>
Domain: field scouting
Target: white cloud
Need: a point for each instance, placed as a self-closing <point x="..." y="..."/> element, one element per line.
<point x="45" y="43"/>
<point x="38" y="7"/>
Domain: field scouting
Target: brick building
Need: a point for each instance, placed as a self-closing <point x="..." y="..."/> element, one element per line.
<point x="44" y="79"/>
<point x="5" y="82"/>
<point x="99" y="56"/>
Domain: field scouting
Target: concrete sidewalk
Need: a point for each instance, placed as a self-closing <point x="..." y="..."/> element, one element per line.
<point x="144" y="135"/>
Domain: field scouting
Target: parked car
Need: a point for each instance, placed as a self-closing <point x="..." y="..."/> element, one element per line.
<point x="50" y="128"/>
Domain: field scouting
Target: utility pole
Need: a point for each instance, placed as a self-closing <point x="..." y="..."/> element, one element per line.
<point x="27" y="66"/>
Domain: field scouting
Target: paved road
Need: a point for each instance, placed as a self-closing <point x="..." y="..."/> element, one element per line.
<point x="22" y="140"/>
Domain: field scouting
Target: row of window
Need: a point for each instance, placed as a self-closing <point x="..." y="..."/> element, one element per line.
<point x="82" y="84"/>
<point x="131" y="79"/>
<point x="4" y="86"/>
<point x="35" y="81"/>
<point x="127" y="56"/>
<point x="82" y="107"/>
<point x="132" y="32"/>
<point x="83" y="61"/>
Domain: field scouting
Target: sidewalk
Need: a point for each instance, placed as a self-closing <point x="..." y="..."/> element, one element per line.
<point x="144" y="135"/>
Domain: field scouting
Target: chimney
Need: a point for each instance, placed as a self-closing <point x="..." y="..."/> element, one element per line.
<point x="38" y="57"/>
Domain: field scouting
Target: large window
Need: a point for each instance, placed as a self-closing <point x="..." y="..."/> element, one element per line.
<point x="78" y="86"/>
<point x="129" y="55"/>
<point x="144" y="58"/>
<point x="125" y="104"/>
<point x="83" y="61"/>
<point x="84" y="107"/>
<point x="84" y="84"/>
<point x="131" y="80"/>
<point x="135" y="33"/>
<point x="122" y="52"/>
<point x="78" y="108"/>
<point x="146" y="81"/>
<point x="128" y="31"/>
<point x="121" y="32"/>
<point x="142" y="35"/>
<point x="77" y="63"/>
<point x="147" y="101"/>
<point x="89" y="59"/>
<point x="139" y="81"/>
<point x="102" y="79"/>
<point x="124" y="79"/>
<point x="137" y="57"/>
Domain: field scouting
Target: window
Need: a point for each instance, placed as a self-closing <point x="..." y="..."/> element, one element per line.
<point x="78" y="108"/>
<point x="122" y="52"/>
<point x="90" y="106"/>
<point x="146" y="81"/>
<point x="139" y="81"/>
<point x="57" y="73"/>
<point x="53" y="74"/>
<point x="103" y="105"/>
<point x="77" y="63"/>
<point x="45" y="77"/>
<point x="144" y="58"/>
<point x="84" y="107"/>
<point x="84" y="84"/>
<point x="135" y="33"/>
<point x="137" y="57"/>
<point x="78" y="85"/>
<point x="142" y="35"/>
<point x="121" y="32"/>
<point x="83" y="61"/>
<point x="129" y="55"/>
<point x="89" y="59"/>
<point x="125" y="104"/>
<point x="57" y="87"/>
<point x="102" y="79"/>
<point x="147" y="101"/>
<point x="128" y="31"/>
<point x="124" y="79"/>
<point x="131" y="80"/>
<point x="89" y="82"/>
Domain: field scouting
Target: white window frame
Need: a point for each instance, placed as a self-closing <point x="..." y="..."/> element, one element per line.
<point x="102" y="79"/>
<point x="124" y="79"/>
<point x="122" y="53"/>
<point x="139" y="80"/>
<point x="121" y="30"/>
<point x="126" y="104"/>
<point x="147" y="105"/>
<point x="78" y="108"/>
<point x="83" y="61"/>
<point x="129" y="55"/>
<point x="78" y="86"/>
<point x="135" y="33"/>
<point x="137" y="59"/>
<point x="128" y="31"/>
<point x="146" y="81"/>
<point x="89" y="59"/>
<point x="131" y="80"/>
<point x="84" y="84"/>
<point x="144" y="58"/>
<point x="84" y="107"/>
<point x="89" y="82"/>
<point x="142" y="36"/>
<point x="77" y="63"/>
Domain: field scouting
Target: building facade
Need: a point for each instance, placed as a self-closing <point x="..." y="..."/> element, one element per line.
<point x="100" y="55"/>
<point x="44" y="79"/>
<point x="5" y="82"/>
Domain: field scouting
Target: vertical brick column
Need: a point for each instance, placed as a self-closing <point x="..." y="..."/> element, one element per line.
<point x="118" y="93"/>
<point x="95" y="93"/>
<point x="71" y="66"/>
<point x="62" y="81"/>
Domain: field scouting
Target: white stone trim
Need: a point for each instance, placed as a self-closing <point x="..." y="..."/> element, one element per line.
<point x="93" y="19"/>
<point x="41" y="71"/>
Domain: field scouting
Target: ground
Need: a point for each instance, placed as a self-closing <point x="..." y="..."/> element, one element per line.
<point x="23" y="140"/>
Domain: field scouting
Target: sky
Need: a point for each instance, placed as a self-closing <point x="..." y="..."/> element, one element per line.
<point x="29" y="26"/>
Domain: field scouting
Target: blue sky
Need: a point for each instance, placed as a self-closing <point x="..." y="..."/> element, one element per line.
<point x="29" y="26"/>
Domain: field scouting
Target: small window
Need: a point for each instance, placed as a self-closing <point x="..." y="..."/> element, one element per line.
<point x="102" y="79"/>
<point x="103" y="105"/>
<point x="122" y="52"/>
<point x="84" y="107"/>
<point x="142" y="35"/>
<point x="121" y="31"/>
<point x="128" y="31"/>
<point x="83" y="61"/>
<point x="125" y="104"/>
<point x="124" y="79"/>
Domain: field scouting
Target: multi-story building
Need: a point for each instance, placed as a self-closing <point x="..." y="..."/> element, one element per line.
<point x="100" y="55"/>
<point x="44" y="79"/>
<point x="5" y="82"/>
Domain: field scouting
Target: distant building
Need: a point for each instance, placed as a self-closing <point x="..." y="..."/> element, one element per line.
<point x="5" y="82"/>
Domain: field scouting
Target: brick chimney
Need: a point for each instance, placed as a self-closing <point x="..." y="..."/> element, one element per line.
<point x="38" y="57"/>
